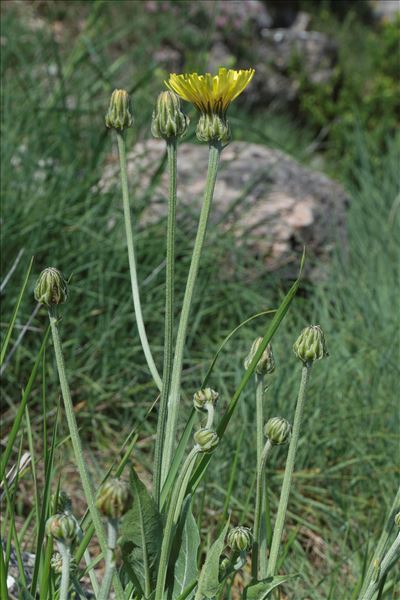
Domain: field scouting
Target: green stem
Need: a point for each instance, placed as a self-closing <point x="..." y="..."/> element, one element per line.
<point x="174" y="395"/>
<point x="287" y="479"/>
<point x="110" y="559"/>
<point x="257" y="529"/>
<point x="66" y="562"/>
<point x="379" y="549"/>
<point x="87" y="557"/>
<point x="392" y="555"/>
<point x="178" y="495"/>
<point x="76" y="442"/>
<point x="132" y="262"/>
<point x="262" y="538"/>
<point x="169" y="317"/>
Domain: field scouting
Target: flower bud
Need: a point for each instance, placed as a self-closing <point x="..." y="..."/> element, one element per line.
<point x="203" y="397"/>
<point x="206" y="439"/>
<point x="119" y="112"/>
<point x="266" y="364"/>
<point x="168" y="119"/>
<point x="310" y="345"/>
<point x="212" y="128"/>
<point x="278" y="431"/>
<point x="63" y="528"/>
<point x="397" y="520"/>
<point x="240" y="539"/>
<point x="51" y="288"/>
<point x="62" y="503"/>
<point x="114" y="498"/>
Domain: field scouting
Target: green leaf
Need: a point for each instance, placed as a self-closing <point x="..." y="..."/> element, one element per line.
<point x="209" y="583"/>
<point x="185" y="571"/>
<point x="141" y="531"/>
<point x="262" y="589"/>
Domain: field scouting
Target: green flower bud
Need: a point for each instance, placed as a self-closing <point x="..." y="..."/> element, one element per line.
<point x="119" y="112"/>
<point x="51" y="288"/>
<point x="114" y="498"/>
<point x="168" y="119"/>
<point x="266" y="364"/>
<point x="203" y="397"/>
<point x="240" y="539"/>
<point x="278" y="431"/>
<point x="63" y="528"/>
<point x="206" y="439"/>
<point x="62" y="504"/>
<point x="212" y="128"/>
<point x="310" y="345"/>
<point x="397" y="519"/>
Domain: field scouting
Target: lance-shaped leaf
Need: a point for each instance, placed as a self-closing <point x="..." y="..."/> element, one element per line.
<point x="185" y="571"/>
<point x="209" y="584"/>
<point x="141" y="531"/>
<point x="262" y="589"/>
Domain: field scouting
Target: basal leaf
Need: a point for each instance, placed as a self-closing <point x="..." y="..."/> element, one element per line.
<point x="185" y="571"/>
<point x="141" y="531"/>
<point x="209" y="584"/>
<point x="262" y="589"/>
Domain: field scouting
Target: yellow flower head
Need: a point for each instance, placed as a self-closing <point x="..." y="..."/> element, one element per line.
<point x="211" y="94"/>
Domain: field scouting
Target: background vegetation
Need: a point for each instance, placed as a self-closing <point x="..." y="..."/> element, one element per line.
<point x="60" y="61"/>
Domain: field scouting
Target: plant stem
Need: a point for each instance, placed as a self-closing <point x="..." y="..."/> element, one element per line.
<point x="110" y="559"/>
<point x="169" y="317"/>
<point x="379" y="549"/>
<point x="257" y="529"/>
<point x="76" y="442"/>
<point x="178" y="495"/>
<point x="383" y="567"/>
<point x="66" y="562"/>
<point x="287" y="479"/>
<point x="132" y="262"/>
<point x="174" y="395"/>
<point x="262" y="536"/>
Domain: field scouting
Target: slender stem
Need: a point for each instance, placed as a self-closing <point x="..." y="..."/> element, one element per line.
<point x="379" y="549"/>
<point x="174" y="510"/>
<point x="262" y="537"/>
<point x="210" y="415"/>
<point x="110" y="559"/>
<point x="174" y="396"/>
<point x="169" y="317"/>
<point x="76" y="442"/>
<point x="66" y="563"/>
<point x="392" y="555"/>
<point x="88" y="558"/>
<point x="287" y="479"/>
<point x="132" y="262"/>
<point x="257" y="529"/>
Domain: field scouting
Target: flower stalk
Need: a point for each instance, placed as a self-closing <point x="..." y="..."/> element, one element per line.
<point x="382" y="569"/>
<point x="65" y="552"/>
<point x="75" y="439"/>
<point x="112" y="530"/>
<point x="287" y="479"/>
<point x="259" y="534"/>
<point x="132" y="261"/>
<point x="174" y="395"/>
<point x="169" y="317"/>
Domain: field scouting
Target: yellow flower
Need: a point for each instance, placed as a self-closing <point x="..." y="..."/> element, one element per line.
<point x="211" y="94"/>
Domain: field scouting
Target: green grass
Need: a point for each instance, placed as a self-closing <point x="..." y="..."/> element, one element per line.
<point x="53" y="154"/>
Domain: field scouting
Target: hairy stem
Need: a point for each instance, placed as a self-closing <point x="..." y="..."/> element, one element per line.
<point x="132" y="262"/>
<point x="66" y="563"/>
<point x="287" y="479"/>
<point x="262" y="537"/>
<point x="110" y="559"/>
<point x="76" y="442"/>
<point x="382" y="568"/>
<point x="258" y="532"/>
<point x="174" y="395"/>
<point x="169" y="318"/>
<point x="178" y="495"/>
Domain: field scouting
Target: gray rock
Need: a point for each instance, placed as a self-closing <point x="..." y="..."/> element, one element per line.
<point x="273" y="204"/>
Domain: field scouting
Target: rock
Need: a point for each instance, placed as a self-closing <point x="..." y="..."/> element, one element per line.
<point x="273" y="204"/>
<point x="385" y="10"/>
